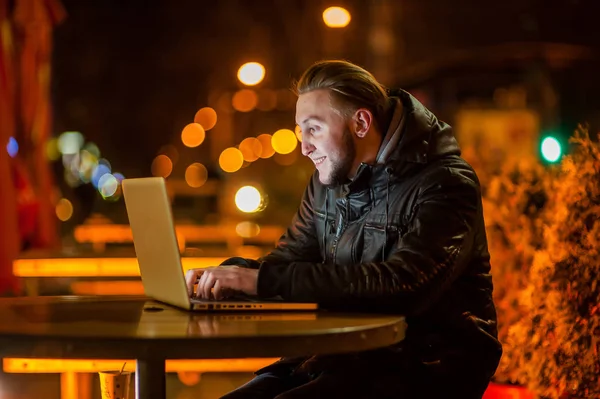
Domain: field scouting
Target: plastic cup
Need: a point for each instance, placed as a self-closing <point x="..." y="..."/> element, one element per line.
<point x="114" y="384"/>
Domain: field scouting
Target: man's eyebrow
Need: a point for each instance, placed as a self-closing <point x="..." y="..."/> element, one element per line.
<point x="312" y="117"/>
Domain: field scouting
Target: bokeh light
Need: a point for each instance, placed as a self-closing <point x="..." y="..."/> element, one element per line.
<point x="251" y="73"/>
<point x="119" y="177"/>
<point x="52" y="151"/>
<point x="231" y="160"/>
<point x="336" y="17"/>
<point x="70" y="142"/>
<point x="247" y="229"/>
<point x="286" y="159"/>
<point x="284" y="141"/>
<point x="206" y="117"/>
<point x="251" y="149"/>
<point x="64" y="209"/>
<point x="193" y="135"/>
<point x="267" y="148"/>
<point x="244" y="100"/>
<point x="108" y="185"/>
<point x="87" y="164"/>
<point x="12" y="147"/>
<point x="162" y="166"/>
<point x="196" y="175"/>
<point x="171" y="151"/>
<point x="551" y="149"/>
<point x="92" y="149"/>
<point x="248" y="199"/>
<point x="98" y="173"/>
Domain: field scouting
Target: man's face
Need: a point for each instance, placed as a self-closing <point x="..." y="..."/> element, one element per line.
<point x="326" y="137"/>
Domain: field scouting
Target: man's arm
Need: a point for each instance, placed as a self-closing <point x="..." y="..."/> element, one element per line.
<point x="425" y="261"/>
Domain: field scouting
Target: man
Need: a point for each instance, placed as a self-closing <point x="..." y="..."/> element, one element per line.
<point x="391" y="221"/>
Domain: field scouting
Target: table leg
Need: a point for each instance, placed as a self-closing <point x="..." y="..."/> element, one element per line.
<point x="150" y="379"/>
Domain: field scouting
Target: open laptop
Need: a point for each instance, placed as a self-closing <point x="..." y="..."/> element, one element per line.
<point x="155" y="243"/>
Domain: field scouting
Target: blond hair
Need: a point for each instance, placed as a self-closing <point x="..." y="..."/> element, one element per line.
<point x="350" y="86"/>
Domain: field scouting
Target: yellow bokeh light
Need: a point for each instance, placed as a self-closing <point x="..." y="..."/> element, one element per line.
<point x="162" y="166"/>
<point x="267" y="148"/>
<point x="193" y="135"/>
<point x="64" y="209"/>
<point x="196" y="175"/>
<point x="336" y="17"/>
<point x="206" y="117"/>
<point x="231" y="160"/>
<point x="251" y="73"/>
<point x="284" y="141"/>
<point x="248" y="199"/>
<point x="251" y="149"/>
<point x="247" y="229"/>
<point x="52" y="151"/>
<point x="244" y="100"/>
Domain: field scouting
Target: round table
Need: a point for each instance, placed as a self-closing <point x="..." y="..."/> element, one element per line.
<point x="139" y="328"/>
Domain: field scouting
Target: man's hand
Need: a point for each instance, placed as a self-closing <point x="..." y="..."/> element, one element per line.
<point x="222" y="281"/>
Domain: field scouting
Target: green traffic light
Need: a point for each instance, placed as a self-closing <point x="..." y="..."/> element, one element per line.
<point x="551" y="149"/>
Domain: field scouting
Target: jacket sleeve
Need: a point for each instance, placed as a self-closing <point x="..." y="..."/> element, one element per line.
<point x="423" y="263"/>
<point x="298" y="244"/>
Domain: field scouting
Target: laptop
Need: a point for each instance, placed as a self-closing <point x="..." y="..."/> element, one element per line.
<point x="155" y="243"/>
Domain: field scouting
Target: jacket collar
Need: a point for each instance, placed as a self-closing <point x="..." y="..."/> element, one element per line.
<point x="414" y="137"/>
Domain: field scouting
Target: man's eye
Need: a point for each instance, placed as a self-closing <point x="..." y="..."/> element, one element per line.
<point x="311" y="130"/>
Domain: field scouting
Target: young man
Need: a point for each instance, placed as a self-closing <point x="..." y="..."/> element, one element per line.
<point x="391" y="221"/>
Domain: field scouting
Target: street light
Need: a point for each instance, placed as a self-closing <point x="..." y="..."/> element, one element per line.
<point x="251" y="73"/>
<point x="336" y="17"/>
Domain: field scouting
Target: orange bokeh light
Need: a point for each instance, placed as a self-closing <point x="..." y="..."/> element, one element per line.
<point x="162" y="166"/>
<point x="206" y="117"/>
<point x="231" y="160"/>
<point x="244" y="100"/>
<point x="267" y="148"/>
<point x="193" y="135"/>
<point x="251" y="149"/>
<point x="196" y="175"/>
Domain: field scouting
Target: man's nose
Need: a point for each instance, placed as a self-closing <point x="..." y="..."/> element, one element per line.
<point x="306" y="146"/>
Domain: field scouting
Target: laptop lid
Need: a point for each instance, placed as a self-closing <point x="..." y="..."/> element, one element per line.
<point x="155" y="243"/>
<point x="154" y="240"/>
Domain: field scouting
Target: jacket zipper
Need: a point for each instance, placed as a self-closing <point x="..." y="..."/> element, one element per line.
<point x="338" y="234"/>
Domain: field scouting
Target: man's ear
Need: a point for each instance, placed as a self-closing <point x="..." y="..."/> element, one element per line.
<point x="362" y="121"/>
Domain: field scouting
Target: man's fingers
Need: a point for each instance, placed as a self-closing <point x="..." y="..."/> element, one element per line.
<point x="205" y="284"/>
<point x="191" y="277"/>
<point x="217" y="291"/>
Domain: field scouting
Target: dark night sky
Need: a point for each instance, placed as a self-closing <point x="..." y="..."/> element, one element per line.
<point x="130" y="74"/>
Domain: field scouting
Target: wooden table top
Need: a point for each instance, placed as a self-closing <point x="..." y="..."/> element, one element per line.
<point x="125" y="327"/>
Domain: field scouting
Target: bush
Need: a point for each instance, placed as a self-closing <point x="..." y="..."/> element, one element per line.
<point x="544" y="234"/>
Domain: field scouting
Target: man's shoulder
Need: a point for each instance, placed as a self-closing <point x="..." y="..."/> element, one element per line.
<point x="448" y="170"/>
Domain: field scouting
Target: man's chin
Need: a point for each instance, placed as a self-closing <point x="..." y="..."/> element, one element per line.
<point x="325" y="180"/>
<point x="328" y="182"/>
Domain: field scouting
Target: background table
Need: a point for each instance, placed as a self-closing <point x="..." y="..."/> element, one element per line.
<point x="139" y="328"/>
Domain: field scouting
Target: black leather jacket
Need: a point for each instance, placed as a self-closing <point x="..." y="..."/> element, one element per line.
<point x="405" y="236"/>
